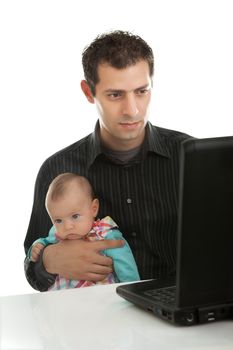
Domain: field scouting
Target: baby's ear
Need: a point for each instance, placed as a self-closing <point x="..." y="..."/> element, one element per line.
<point x="95" y="207"/>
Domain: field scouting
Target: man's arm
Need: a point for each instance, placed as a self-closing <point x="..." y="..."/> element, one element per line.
<point x="36" y="274"/>
<point x="39" y="225"/>
<point x="76" y="259"/>
<point x="79" y="260"/>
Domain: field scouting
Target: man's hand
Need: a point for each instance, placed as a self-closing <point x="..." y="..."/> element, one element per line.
<point x="80" y="260"/>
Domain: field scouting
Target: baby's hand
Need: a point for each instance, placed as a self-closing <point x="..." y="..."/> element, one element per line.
<point x="36" y="249"/>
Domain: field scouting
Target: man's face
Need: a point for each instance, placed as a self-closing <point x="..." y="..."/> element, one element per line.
<point x="122" y="99"/>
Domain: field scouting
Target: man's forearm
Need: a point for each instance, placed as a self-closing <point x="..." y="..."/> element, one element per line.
<point x="49" y="258"/>
<point x="36" y="274"/>
<point x="71" y="259"/>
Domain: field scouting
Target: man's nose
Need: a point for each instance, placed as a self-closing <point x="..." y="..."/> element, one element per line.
<point x="130" y="105"/>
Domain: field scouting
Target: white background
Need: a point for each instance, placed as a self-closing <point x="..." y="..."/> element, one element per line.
<point x="42" y="108"/>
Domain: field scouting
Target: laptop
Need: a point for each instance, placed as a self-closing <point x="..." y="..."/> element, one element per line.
<point x="202" y="290"/>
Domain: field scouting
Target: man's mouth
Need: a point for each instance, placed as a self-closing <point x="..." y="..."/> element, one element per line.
<point x="129" y="125"/>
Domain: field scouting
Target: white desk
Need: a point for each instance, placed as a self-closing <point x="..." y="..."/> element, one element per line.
<point x="97" y="318"/>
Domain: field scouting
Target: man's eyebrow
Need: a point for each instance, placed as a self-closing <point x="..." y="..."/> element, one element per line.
<point x="123" y="91"/>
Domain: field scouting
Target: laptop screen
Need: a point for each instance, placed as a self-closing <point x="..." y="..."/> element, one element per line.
<point x="205" y="222"/>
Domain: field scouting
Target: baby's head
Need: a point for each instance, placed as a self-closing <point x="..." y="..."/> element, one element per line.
<point x="71" y="205"/>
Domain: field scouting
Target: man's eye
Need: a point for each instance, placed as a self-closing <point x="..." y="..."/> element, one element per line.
<point x="75" y="216"/>
<point x="58" y="221"/>
<point x="114" y="95"/>
<point x="143" y="92"/>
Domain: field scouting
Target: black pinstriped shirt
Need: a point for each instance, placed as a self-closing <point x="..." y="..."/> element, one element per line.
<point x="141" y="196"/>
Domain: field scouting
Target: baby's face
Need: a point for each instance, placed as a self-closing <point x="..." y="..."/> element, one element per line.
<point x="72" y="214"/>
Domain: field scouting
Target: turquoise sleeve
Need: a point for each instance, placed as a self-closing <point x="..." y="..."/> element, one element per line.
<point x="50" y="239"/>
<point x="125" y="267"/>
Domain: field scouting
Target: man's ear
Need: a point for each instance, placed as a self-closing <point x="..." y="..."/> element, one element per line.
<point x="87" y="91"/>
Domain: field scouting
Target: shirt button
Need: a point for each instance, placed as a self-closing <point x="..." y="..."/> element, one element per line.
<point x="129" y="200"/>
<point x="134" y="234"/>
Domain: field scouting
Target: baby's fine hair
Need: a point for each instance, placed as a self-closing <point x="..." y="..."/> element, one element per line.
<point x="61" y="183"/>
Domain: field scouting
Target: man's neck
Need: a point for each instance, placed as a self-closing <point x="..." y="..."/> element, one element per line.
<point x="122" y="157"/>
<point x="118" y="145"/>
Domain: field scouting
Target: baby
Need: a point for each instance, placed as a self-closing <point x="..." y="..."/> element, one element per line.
<point x="72" y="207"/>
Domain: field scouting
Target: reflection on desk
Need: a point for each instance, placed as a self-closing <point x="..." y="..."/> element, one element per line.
<point x="97" y="318"/>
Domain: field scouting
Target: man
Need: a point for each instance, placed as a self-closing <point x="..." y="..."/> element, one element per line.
<point x="132" y="166"/>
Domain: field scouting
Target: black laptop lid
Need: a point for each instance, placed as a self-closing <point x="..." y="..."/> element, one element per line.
<point x="205" y="222"/>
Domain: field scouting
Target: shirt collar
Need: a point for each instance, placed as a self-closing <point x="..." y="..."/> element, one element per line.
<point x="94" y="146"/>
<point x="153" y="143"/>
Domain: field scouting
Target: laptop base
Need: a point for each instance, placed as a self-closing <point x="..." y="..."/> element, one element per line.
<point x="138" y="294"/>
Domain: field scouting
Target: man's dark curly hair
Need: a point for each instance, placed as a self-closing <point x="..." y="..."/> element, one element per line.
<point x="119" y="49"/>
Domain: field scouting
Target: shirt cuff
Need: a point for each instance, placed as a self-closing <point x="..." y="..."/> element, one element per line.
<point x="40" y="272"/>
<point x="36" y="274"/>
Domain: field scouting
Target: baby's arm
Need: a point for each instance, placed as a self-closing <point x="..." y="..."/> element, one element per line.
<point x="37" y="246"/>
<point x="123" y="260"/>
<point x="35" y="252"/>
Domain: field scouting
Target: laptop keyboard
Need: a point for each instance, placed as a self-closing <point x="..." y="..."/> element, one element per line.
<point x="165" y="295"/>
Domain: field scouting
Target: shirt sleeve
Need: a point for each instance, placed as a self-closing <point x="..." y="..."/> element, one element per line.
<point x="37" y="276"/>
<point x="124" y="263"/>
<point x="35" y="272"/>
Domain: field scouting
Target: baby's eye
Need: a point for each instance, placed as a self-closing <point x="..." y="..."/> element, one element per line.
<point x="58" y="221"/>
<point x="75" y="216"/>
